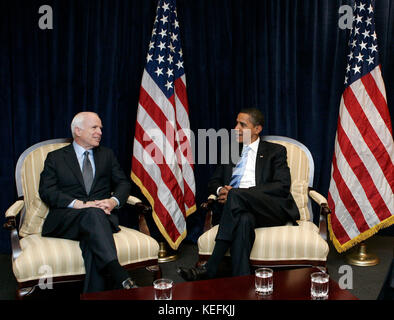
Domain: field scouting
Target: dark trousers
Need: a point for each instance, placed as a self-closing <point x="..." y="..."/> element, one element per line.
<point x="94" y="231"/>
<point x="241" y="214"/>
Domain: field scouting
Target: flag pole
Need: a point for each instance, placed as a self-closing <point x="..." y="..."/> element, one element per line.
<point x="360" y="257"/>
<point x="166" y="254"/>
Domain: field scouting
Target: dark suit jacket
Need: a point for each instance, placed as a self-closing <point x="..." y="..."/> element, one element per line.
<point x="61" y="182"/>
<point x="272" y="177"/>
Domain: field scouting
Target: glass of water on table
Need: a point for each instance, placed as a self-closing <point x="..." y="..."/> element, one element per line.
<point x="319" y="285"/>
<point x="264" y="284"/>
<point x="163" y="289"/>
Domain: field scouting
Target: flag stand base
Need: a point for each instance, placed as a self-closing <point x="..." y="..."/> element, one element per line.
<point x="166" y="254"/>
<point x="361" y="258"/>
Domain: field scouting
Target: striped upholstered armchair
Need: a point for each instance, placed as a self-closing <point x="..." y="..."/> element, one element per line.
<point x="34" y="257"/>
<point x="301" y="245"/>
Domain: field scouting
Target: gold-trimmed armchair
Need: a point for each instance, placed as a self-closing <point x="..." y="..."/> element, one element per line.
<point x="301" y="245"/>
<point x="31" y="252"/>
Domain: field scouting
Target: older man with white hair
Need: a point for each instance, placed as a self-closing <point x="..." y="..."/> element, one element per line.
<point x="82" y="183"/>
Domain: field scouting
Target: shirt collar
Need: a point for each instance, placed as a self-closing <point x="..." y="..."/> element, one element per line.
<point x="254" y="145"/>
<point x="79" y="150"/>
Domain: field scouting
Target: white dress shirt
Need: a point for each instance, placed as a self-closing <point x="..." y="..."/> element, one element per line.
<point x="248" y="179"/>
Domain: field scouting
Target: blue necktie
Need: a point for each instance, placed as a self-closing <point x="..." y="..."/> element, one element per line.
<point x="239" y="168"/>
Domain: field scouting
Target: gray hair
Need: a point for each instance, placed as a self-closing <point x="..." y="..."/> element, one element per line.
<point x="78" y="120"/>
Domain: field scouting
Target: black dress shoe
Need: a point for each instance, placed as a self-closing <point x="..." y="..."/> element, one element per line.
<point x="129" y="284"/>
<point x="193" y="274"/>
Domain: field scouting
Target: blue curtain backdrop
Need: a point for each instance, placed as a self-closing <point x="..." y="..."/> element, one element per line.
<point x="285" y="57"/>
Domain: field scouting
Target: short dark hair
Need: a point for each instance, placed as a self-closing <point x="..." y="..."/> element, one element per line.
<point x="256" y="116"/>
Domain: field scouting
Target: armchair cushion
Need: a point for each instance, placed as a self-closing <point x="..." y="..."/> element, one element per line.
<point x="64" y="257"/>
<point x="283" y="243"/>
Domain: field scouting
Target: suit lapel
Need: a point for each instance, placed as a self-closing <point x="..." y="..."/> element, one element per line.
<point x="261" y="153"/>
<point x="98" y="162"/>
<point x="72" y="162"/>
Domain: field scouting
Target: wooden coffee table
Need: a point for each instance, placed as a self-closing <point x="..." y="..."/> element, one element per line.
<point x="288" y="285"/>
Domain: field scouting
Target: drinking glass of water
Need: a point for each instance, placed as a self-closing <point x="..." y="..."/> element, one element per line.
<point x="319" y="285"/>
<point x="264" y="281"/>
<point x="163" y="289"/>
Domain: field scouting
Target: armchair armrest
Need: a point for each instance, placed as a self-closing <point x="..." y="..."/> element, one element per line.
<point x="133" y="200"/>
<point x="324" y="211"/>
<point x="207" y="206"/>
<point x="139" y="206"/>
<point x="142" y="210"/>
<point x="15" y="209"/>
<point x="212" y="197"/>
<point x="11" y="214"/>
<point x="317" y="197"/>
<point x="10" y="225"/>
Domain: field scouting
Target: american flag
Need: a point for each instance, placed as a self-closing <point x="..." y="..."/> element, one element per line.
<point x="162" y="163"/>
<point x="362" y="175"/>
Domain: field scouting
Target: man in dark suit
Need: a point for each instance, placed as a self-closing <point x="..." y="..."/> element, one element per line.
<point x="82" y="183"/>
<point x="253" y="193"/>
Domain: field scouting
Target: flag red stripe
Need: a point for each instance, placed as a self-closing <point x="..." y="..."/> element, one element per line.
<point x="166" y="173"/>
<point x="179" y="131"/>
<point x="377" y="98"/>
<point x="189" y="195"/>
<point x="161" y="120"/>
<point x="336" y="226"/>
<point x="151" y="186"/>
<point x="157" y="116"/>
<point x="185" y="147"/>
<point x="368" y="133"/>
<point x="180" y="90"/>
<point x="347" y="199"/>
<point x="362" y="174"/>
